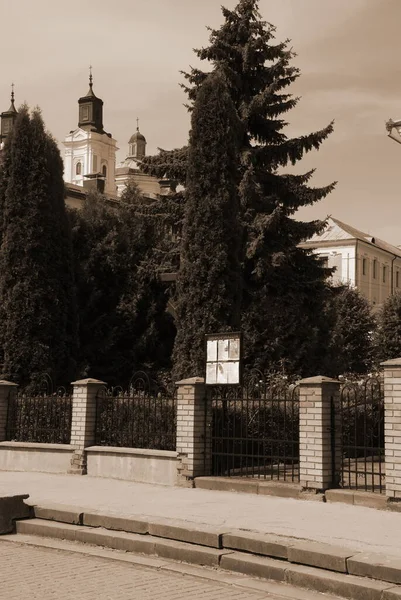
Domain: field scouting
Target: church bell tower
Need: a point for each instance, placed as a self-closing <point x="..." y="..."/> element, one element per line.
<point x="90" y="152"/>
<point x="8" y="118"/>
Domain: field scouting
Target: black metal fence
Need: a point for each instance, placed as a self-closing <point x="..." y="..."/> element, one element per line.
<point x="143" y="416"/>
<point x="40" y="415"/>
<point x="361" y="435"/>
<point x="255" y="429"/>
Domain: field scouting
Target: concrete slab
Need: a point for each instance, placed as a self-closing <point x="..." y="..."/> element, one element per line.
<point x="255" y="566"/>
<point x="370" y="499"/>
<point x="376" y="566"/>
<point x="393" y="593"/>
<point x="347" y="586"/>
<point x="282" y="490"/>
<point x="198" y="555"/>
<point x="323" y="556"/>
<point x="51" y="529"/>
<point x="131" y="525"/>
<point x="12" y="508"/>
<point x="227" y="484"/>
<point x="59" y="512"/>
<point x="344" y="496"/>
<point x="183" y="531"/>
<point x="263" y="544"/>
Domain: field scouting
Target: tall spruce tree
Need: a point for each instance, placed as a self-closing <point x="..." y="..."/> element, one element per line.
<point x="209" y="279"/>
<point x="38" y="332"/>
<point x="258" y="71"/>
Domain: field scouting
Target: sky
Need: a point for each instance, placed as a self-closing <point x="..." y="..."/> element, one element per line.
<point x="348" y="51"/>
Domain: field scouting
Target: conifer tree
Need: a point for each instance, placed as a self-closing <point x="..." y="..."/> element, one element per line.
<point x="389" y="328"/>
<point x="209" y="280"/>
<point x="38" y="332"/>
<point x="352" y="332"/>
<point x="258" y="71"/>
<point x="123" y="324"/>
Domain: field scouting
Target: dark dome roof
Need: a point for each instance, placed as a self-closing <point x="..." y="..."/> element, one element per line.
<point x="137" y="136"/>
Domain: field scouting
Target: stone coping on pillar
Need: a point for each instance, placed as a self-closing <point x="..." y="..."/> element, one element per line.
<point x="191" y="381"/>
<point x="318" y="380"/>
<point x="89" y="382"/>
<point x="394" y="362"/>
<point x="8" y="383"/>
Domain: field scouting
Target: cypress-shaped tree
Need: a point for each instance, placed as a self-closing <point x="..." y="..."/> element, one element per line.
<point x="352" y="328"/>
<point x="258" y="71"/>
<point x="209" y="279"/>
<point x="389" y="329"/>
<point x="37" y="293"/>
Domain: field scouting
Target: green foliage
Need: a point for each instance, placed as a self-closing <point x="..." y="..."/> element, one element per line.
<point x="258" y="71"/>
<point x="209" y="279"/>
<point x="352" y="333"/>
<point x="38" y="316"/>
<point x="389" y="328"/>
<point x="122" y="304"/>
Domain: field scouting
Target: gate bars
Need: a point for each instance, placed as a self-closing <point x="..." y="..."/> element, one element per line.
<point x="255" y="429"/>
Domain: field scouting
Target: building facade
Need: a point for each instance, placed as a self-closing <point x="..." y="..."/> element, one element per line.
<point x="360" y="260"/>
<point x="90" y="155"/>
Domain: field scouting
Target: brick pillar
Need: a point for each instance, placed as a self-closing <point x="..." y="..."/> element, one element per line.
<point x="191" y="427"/>
<point x="315" y="441"/>
<point x="392" y="427"/>
<point x="6" y="390"/>
<point x="83" y="421"/>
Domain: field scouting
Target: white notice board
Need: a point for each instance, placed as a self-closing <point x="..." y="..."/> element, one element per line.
<point x="223" y="355"/>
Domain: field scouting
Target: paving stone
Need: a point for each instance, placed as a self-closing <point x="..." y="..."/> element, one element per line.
<point x="132" y="525"/>
<point x="376" y="566"/>
<point x="49" y="574"/>
<point x="264" y="544"/>
<point x="59" y="512"/>
<point x="347" y="586"/>
<point x="255" y="566"/>
<point x="324" y="556"/>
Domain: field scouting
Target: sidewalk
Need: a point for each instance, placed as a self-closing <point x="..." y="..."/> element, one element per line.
<point x="353" y="527"/>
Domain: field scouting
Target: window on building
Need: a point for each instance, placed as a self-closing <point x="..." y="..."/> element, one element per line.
<point x="104" y="170"/>
<point x="364" y="266"/>
<point x="78" y="168"/>
<point x="324" y="261"/>
<point x="374" y="268"/>
<point x="384" y="274"/>
<point x="397" y="279"/>
<point x="94" y="161"/>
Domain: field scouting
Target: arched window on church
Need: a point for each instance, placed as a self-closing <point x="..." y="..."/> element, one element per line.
<point x="104" y="170"/>
<point x="78" y="168"/>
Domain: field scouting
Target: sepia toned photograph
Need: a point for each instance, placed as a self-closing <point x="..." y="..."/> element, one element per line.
<point x="200" y="300"/>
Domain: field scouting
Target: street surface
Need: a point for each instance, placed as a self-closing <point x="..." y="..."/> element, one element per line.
<point x="30" y="573"/>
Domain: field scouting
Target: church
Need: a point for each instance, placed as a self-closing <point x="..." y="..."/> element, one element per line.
<point x="90" y="155"/>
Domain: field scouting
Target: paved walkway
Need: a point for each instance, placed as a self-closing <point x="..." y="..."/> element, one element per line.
<point x="350" y="526"/>
<point x="31" y="573"/>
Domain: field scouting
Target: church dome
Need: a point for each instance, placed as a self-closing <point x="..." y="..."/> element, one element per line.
<point x="137" y="136"/>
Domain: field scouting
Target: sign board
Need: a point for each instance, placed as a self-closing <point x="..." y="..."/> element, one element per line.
<point x="223" y="358"/>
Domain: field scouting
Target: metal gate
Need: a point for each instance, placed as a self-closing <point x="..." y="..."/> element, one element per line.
<point x="361" y="435"/>
<point x="255" y="429"/>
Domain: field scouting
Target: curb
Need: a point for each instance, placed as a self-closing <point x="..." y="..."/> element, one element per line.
<point x="316" y="566"/>
<point x="296" y="492"/>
